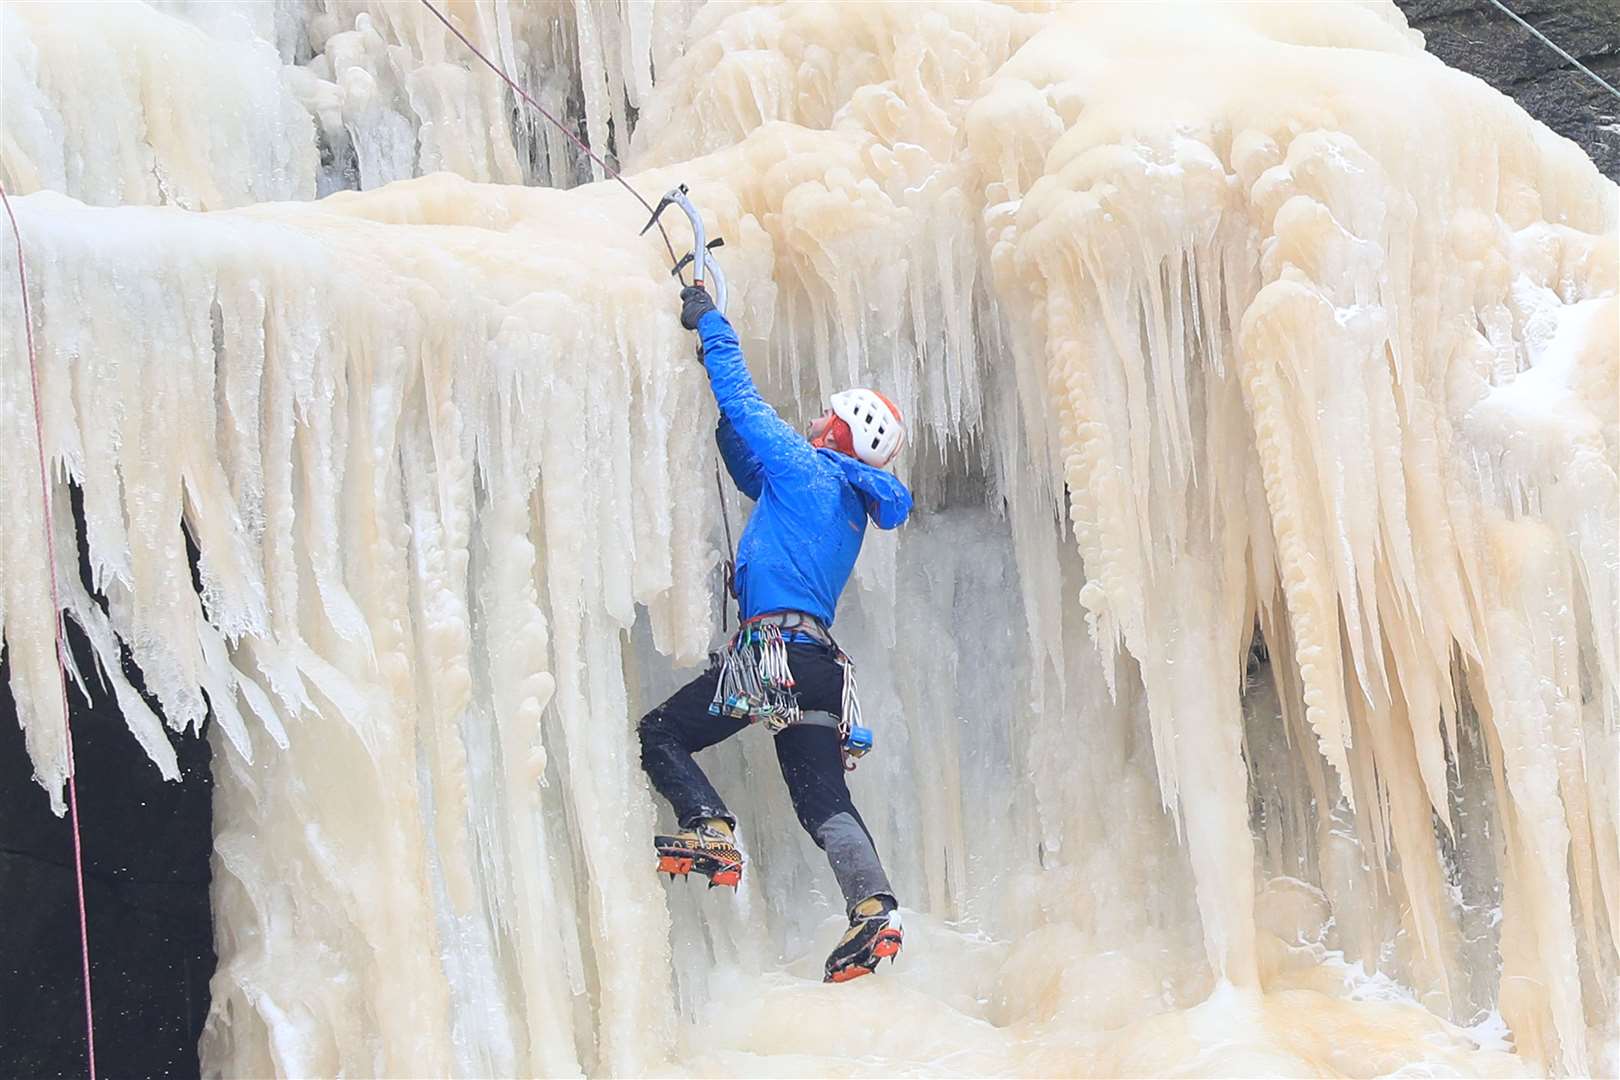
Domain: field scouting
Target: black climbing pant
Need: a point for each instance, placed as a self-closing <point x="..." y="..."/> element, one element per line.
<point x="809" y="753"/>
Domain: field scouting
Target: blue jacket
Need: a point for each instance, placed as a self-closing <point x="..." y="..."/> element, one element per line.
<point x="800" y="544"/>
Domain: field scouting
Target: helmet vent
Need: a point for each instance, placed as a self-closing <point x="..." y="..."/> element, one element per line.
<point x="875" y="423"/>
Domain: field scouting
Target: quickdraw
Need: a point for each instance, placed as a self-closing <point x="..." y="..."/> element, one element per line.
<point x="756" y="684"/>
<point x="855" y="739"/>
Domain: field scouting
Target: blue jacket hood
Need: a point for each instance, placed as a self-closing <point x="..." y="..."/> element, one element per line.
<point x="887" y="500"/>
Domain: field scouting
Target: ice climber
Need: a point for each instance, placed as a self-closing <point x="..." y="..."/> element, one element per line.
<point x="813" y="497"/>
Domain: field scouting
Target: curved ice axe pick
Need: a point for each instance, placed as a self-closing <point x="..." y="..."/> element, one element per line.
<point x="704" y="264"/>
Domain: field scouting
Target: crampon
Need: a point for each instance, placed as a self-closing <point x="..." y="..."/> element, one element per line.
<point x="874" y="933"/>
<point x="704" y="851"/>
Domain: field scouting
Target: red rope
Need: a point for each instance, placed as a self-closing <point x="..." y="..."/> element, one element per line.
<point x="50" y="531"/>
<point x="61" y="663"/>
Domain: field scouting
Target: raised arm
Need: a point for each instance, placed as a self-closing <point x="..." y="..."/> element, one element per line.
<point x="783" y="454"/>
<point x="746" y="471"/>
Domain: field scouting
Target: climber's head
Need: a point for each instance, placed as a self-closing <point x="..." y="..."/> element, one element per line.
<point x="861" y="423"/>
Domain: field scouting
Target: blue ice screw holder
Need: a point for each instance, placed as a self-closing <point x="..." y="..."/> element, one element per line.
<point x="735" y="706"/>
<point x="858" y="742"/>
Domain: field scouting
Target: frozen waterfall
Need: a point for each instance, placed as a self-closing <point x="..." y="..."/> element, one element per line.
<point x="1246" y="688"/>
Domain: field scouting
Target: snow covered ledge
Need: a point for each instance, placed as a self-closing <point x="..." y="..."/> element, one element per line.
<point x="1315" y="333"/>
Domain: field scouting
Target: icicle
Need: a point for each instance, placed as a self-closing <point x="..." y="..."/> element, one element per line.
<point x="446" y="459"/>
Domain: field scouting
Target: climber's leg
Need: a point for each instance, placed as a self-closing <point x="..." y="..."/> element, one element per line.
<point x="813" y="765"/>
<point x="671" y="734"/>
<point x="812" y="761"/>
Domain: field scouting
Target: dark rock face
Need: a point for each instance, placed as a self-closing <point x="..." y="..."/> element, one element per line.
<point x="1479" y="38"/>
<point x="146" y="845"/>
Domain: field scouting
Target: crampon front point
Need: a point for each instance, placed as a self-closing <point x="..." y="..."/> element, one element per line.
<point x="679" y="856"/>
<point x="868" y="942"/>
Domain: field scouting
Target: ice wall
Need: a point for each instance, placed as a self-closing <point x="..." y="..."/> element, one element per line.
<point x="114" y="102"/>
<point x="1248" y="682"/>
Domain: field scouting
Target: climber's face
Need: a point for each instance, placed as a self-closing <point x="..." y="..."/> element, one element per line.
<point x="827" y="430"/>
<point x="819" y="427"/>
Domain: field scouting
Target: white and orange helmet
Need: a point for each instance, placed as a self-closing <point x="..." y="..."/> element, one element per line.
<point x="875" y="424"/>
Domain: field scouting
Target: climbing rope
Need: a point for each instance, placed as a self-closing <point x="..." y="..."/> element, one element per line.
<point x="559" y="125"/>
<point x="1545" y="40"/>
<point x="61" y="647"/>
<point x="730" y="566"/>
<point x="696" y="258"/>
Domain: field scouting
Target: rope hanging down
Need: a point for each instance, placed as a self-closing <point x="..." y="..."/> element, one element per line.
<point x="61" y="645"/>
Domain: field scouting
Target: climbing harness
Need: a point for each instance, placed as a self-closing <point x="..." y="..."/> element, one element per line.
<point x="756" y="681"/>
<point x="705" y="268"/>
<point x="61" y="645"/>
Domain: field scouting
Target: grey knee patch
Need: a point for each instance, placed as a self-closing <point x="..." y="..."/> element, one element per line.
<point x="853" y="859"/>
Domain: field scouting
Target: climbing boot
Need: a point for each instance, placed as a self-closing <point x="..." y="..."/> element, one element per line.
<point x="708" y="847"/>
<point x="874" y="932"/>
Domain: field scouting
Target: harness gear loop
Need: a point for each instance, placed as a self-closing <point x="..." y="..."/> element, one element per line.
<point x="756" y="679"/>
<point x="756" y="682"/>
<point x="851" y="712"/>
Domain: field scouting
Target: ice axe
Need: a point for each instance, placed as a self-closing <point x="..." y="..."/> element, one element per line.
<point x="705" y="267"/>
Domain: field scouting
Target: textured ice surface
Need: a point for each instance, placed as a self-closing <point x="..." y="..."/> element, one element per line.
<point x="1245" y="686"/>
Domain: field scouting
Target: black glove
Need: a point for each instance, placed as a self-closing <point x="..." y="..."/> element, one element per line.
<point x="695" y="304"/>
